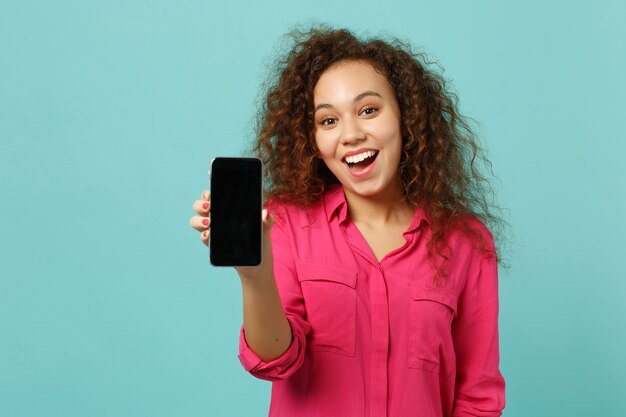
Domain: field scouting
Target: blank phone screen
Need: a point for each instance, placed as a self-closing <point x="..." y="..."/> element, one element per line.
<point x="236" y="204"/>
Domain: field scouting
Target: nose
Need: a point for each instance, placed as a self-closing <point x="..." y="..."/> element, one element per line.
<point x="352" y="131"/>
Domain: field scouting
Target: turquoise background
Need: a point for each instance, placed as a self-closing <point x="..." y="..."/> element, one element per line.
<point x="111" y="110"/>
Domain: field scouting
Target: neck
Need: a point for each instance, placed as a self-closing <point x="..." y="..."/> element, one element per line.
<point x="380" y="209"/>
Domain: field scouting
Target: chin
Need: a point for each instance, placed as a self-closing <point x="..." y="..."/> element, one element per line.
<point x="366" y="191"/>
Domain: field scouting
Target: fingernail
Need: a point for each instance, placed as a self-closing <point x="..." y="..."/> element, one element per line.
<point x="205" y="206"/>
<point x="205" y="222"/>
<point x="204" y="194"/>
<point x="204" y="233"/>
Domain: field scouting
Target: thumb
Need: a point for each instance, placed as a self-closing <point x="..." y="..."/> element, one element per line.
<point x="268" y="219"/>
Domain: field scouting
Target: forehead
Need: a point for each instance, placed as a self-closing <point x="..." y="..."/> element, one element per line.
<point x="345" y="80"/>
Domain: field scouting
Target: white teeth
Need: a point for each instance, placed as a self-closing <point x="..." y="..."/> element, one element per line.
<point x="358" y="158"/>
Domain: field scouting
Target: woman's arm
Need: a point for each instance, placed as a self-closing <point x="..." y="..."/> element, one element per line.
<point x="267" y="331"/>
<point x="273" y="339"/>
<point x="479" y="383"/>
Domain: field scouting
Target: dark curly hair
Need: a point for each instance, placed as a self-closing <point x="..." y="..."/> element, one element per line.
<point x="441" y="160"/>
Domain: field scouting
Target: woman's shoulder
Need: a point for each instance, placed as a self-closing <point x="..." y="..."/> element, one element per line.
<point x="472" y="234"/>
<point x="286" y="211"/>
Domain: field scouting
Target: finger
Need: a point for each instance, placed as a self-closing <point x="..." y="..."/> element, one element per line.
<point x="202" y="207"/>
<point x="204" y="236"/>
<point x="200" y="223"/>
<point x="206" y="195"/>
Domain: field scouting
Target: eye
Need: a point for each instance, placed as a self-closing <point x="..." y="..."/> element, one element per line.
<point x="369" y="110"/>
<point x="327" y="121"/>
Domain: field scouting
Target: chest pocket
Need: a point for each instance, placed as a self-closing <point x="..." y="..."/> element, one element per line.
<point x="330" y="302"/>
<point x="430" y="345"/>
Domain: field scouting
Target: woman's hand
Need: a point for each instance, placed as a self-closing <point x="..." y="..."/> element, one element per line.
<point x="202" y="223"/>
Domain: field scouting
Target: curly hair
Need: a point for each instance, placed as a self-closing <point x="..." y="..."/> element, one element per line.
<point x="441" y="157"/>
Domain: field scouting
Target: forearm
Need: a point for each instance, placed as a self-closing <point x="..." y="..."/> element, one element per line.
<point x="266" y="328"/>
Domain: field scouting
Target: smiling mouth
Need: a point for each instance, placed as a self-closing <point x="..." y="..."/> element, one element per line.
<point x="362" y="163"/>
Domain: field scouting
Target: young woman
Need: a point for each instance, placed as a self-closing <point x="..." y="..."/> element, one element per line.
<point x="378" y="293"/>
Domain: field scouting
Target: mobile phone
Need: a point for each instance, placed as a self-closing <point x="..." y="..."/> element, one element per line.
<point x="236" y="231"/>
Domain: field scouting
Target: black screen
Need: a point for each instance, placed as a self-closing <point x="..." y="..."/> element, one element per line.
<point x="236" y="204"/>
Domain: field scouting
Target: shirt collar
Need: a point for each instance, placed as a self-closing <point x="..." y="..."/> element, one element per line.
<point x="335" y="205"/>
<point x="419" y="215"/>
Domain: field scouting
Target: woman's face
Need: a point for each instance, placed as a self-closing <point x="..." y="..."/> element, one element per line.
<point x="357" y="129"/>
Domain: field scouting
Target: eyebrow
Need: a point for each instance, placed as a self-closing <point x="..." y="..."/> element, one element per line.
<point x="357" y="98"/>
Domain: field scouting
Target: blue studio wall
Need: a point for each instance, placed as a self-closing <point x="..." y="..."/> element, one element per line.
<point x="111" y="111"/>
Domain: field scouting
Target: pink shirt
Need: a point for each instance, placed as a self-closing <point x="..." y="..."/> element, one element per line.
<point x="374" y="338"/>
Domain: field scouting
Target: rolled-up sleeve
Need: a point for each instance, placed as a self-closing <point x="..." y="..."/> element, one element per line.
<point x="480" y="387"/>
<point x="293" y="304"/>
